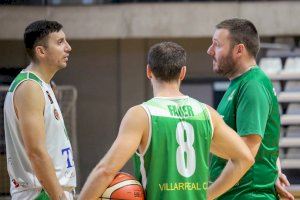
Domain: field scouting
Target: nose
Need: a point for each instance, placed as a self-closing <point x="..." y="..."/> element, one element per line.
<point x="210" y="50"/>
<point x="68" y="47"/>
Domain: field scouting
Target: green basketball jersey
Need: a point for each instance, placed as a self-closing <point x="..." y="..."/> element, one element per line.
<point x="250" y="106"/>
<point x="175" y="162"/>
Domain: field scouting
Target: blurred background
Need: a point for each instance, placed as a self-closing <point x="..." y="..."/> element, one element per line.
<point x="106" y="71"/>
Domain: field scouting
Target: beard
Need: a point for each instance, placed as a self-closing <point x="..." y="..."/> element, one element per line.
<point x="225" y="66"/>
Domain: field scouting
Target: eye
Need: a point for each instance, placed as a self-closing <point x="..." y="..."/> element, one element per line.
<point x="217" y="44"/>
<point x="60" y="41"/>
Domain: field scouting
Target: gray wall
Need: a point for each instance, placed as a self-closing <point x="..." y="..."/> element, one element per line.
<point x="153" y="20"/>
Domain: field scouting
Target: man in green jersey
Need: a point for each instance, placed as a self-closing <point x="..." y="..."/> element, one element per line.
<point x="171" y="136"/>
<point x="250" y="107"/>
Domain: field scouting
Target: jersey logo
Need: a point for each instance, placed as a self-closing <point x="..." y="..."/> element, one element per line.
<point x="56" y="114"/>
<point x="68" y="152"/>
<point x="49" y="97"/>
<point x="231" y="96"/>
<point x="16" y="184"/>
<point x="19" y="183"/>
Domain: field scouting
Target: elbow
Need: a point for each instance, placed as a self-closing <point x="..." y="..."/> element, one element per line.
<point x="245" y="161"/>
<point x="104" y="171"/>
<point x="36" y="155"/>
<point x="250" y="160"/>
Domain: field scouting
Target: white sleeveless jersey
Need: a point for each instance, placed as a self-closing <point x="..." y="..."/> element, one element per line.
<point x="21" y="174"/>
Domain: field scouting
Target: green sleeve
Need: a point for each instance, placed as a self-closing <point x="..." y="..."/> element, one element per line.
<point x="253" y="107"/>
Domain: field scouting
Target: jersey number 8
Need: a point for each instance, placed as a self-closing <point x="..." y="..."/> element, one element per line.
<point x="185" y="154"/>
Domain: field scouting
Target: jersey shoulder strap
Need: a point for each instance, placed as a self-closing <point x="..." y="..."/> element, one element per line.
<point x="23" y="76"/>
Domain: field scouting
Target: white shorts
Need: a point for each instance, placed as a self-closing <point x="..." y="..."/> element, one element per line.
<point x="32" y="194"/>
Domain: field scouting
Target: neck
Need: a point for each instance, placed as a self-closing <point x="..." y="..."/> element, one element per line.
<point x="242" y="67"/>
<point x="166" y="89"/>
<point x="44" y="72"/>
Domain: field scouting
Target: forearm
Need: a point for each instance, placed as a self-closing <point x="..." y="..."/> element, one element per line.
<point x="96" y="184"/>
<point x="45" y="172"/>
<point x="129" y="138"/>
<point x="232" y="173"/>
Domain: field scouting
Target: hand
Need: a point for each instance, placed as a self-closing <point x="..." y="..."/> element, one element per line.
<point x="281" y="184"/>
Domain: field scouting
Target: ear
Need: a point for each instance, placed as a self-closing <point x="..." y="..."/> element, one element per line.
<point x="182" y="73"/>
<point x="149" y="72"/>
<point x="40" y="51"/>
<point x="240" y="49"/>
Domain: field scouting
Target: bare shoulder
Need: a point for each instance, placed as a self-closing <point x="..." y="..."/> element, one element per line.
<point x="28" y="87"/>
<point x="29" y="93"/>
<point x="136" y="118"/>
<point x="137" y="113"/>
<point x="137" y="109"/>
<point x="210" y="109"/>
<point x="215" y="117"/>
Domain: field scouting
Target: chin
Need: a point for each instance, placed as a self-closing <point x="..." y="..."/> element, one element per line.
<point x="216" y="69"/>
<point x="63" y="66"/>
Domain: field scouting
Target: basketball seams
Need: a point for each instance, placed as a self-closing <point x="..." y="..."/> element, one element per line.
<point x="120" y="177"/>
<point x="122" y="188"/>
<point x="108" y="192"/>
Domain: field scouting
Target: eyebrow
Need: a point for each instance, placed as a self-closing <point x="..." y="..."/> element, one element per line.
<point x="215" y="40"/>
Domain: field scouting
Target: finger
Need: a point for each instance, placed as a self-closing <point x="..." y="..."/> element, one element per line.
<point x="283" y="179"/>
<point x="290" y="196"/>
<point x="282" y="191"/>
<point x="285" y="194"/>
<point x="279" y="186"/>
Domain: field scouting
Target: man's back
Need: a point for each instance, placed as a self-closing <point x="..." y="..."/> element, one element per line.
<point x="174" y="164"/>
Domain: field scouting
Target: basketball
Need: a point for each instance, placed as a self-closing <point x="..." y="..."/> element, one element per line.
<point x="124" y="186"/>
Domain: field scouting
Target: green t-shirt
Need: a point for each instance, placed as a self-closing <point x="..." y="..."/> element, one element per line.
<point x="250" y="106"/>
<point x="174" y="166"/>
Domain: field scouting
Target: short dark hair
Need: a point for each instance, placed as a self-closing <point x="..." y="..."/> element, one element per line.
<point x="166" y="60"/>
<point x="242" y="31"/>
<point x="36" y="33"/>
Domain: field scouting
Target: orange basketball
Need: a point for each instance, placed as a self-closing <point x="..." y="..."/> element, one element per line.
<point x="124" y="187"/>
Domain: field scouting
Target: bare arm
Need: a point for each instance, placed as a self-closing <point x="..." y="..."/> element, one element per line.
<point x="253" y="142"/>
<point x="129" y="138"/>
<point x="29" y="105"/>
<point x="227" y="144"/>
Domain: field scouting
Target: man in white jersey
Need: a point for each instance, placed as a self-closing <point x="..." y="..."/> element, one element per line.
<point x="39" y="154"/>
<point x="157" y="128"/>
